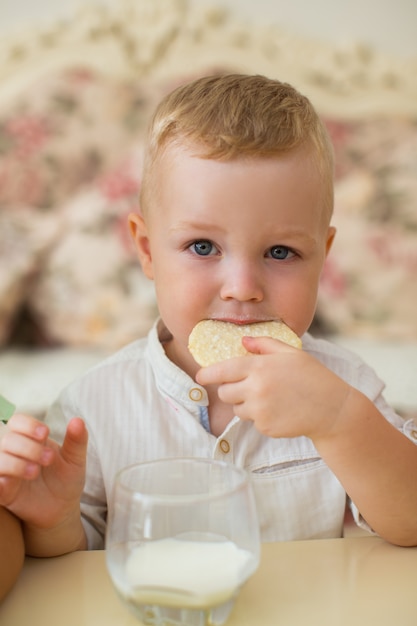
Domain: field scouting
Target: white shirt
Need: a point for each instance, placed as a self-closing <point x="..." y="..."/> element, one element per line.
<point x="139" y="406"/>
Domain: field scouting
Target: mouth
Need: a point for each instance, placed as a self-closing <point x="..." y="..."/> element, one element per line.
<point x="243" y="320"/>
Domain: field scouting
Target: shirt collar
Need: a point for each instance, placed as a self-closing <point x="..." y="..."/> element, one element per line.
<point x="171" y="379"/>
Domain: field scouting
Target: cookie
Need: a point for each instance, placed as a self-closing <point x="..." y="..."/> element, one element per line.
<point x="211" y="341"/>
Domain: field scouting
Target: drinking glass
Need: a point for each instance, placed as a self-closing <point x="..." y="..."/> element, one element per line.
<point x="182" y="538"/>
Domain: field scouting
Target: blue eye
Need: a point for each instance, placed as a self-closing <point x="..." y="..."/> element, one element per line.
<point x="280" y="252"/>
<point x="203" y="247"/>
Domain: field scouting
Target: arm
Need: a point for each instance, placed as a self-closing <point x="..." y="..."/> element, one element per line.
<point x="377" y="465"/>
<point x="288" y="393"/>
<point x="12" y="551"/>
<point x="41" y="483"/>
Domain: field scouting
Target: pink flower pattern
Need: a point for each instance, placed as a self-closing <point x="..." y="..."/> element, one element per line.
<point x="118" y="184"/>
<point x="29" y="134"/>
<point x="68" y="159"/>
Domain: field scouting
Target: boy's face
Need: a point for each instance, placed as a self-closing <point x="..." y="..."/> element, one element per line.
<point x="242" y="241"/>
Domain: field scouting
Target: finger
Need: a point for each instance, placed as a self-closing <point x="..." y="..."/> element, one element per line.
<point x="266" y="345"/>
<point x="74" y="447"/>
<point x="16" y="445"/>
<point x="9" y="487"/>
<point x="229" y="371"/>
<point x="28" y="426"/>
<point x="15" y="467"/>
<point x="231" y="393"/>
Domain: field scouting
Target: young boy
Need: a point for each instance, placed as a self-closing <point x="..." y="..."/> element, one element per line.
<point x="235" y="225"/>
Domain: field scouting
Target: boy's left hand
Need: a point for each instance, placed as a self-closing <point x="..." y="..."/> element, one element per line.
<point x="285" y="391"/>
<point x="40" y="481"/>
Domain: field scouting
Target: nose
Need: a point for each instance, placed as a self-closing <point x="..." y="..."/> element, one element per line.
<point x="241" y="281"/>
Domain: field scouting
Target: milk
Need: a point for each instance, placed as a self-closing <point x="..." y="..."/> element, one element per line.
<point x="187" y="574"/>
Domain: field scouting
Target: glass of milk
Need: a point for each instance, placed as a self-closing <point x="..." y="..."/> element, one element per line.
<point x="182" y="538"/>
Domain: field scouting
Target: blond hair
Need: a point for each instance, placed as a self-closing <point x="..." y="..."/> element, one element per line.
<point x="226" y="117"/>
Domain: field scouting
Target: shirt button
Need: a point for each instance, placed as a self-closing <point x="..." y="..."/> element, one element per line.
<point x="224" y="446"/>
<point x="195" y="394"/>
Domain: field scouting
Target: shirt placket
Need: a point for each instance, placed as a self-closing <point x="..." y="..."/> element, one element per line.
<point x="224" y="448"/>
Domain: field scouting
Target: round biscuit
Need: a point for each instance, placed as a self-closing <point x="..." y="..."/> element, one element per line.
<point x="212" y="341"/>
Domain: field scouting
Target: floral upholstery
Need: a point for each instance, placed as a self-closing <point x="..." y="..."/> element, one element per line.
<point x="69" y="168"/>
<point x="70" y="161"/>
<point x="368" y="286"/>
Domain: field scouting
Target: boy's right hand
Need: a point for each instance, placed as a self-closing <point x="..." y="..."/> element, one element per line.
<point x="40" y="481"/>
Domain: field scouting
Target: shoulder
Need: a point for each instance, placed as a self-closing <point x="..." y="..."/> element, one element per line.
<point x="99" y="391"/>
<point x="127" y="364"/>
<point x="133" y="353"/>
<point x="326" y="350"/>
<point x="345" y="363"/>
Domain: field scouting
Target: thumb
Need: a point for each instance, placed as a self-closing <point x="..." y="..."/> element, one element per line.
<point x="74" y="447"/>
<point x="265" y="345"/>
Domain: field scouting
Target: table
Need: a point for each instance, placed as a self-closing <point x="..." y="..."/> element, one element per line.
<point x="328" y="582"/>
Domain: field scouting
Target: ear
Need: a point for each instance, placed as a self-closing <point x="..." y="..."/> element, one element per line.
<point x="139" y="232"/>
<point x="331" y="233"/>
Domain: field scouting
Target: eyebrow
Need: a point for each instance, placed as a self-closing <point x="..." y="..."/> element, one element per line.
<point x="293" y="234"/>
<point x="196" y="226"/>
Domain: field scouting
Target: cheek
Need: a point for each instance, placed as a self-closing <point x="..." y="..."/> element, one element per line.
<point x="181" y="305"/>
<point x="296" y="303"/>
<point x="179" y="294"/>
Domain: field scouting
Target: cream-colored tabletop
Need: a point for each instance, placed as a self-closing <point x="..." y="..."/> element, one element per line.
<point x="336" y="582"/>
